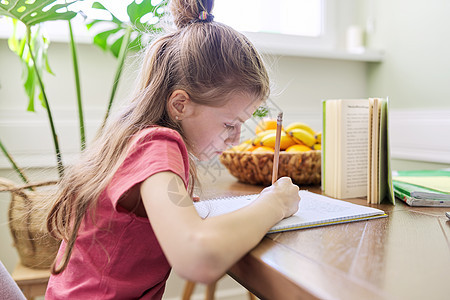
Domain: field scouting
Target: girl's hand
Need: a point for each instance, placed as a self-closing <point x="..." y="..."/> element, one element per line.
<point x="284" y="195"/>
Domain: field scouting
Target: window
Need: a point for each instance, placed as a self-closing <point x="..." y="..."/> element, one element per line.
<point x="275" y="26"/>
<point x="292" y="17"/>
<point x="290" y="27"/>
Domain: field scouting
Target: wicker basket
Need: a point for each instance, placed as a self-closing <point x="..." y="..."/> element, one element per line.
<point x="27" y="221"/>
<point x="256" y="168"/>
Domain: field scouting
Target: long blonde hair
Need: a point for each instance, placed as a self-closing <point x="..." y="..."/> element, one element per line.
<point x="207" y="59"/>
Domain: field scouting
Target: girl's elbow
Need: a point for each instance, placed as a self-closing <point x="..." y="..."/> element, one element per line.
<point x="205" y="275"/>
<point x="205" y="262"/>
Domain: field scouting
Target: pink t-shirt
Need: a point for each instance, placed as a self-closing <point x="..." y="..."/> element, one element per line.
<point x="119" y="256"/>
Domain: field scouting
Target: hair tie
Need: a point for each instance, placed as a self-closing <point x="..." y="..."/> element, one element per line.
<point x="204" y="16"/>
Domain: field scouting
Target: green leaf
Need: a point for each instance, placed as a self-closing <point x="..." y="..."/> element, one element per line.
<point x="47" y="65"/>
<point x="101" y="39"/>
<point x="261" y="112"/>
<point x="41" y="98"/>
<point x="115" y="47"/>
<point x="98" y="5"/>
<point x="13" y="41"/>
<point x="92" y="23"/>
<point x="135" y="44"/>
<point x="39" y="45"/>
<point x="135" y="12"/>
<point x="30" y="12"/>
<point x="30" y="85"/>
<point x="13" y="44"/>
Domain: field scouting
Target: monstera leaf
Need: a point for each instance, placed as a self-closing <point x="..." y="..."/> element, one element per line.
<point x="39" y="46"/>
<point x="32" y="48"/>
<point x="122" y="36"/>
<point x="115" y="38"/>
<point x="32" y="12"/>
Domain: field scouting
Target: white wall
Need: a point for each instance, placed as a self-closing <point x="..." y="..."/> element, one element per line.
<point x="415" y="74"/>
<point x="416" y="68"/>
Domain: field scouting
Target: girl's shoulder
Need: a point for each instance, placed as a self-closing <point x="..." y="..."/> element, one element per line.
<point x="157" y="133"/>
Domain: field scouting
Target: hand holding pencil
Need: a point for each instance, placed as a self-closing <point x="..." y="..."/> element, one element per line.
<point x="286" y="193"/>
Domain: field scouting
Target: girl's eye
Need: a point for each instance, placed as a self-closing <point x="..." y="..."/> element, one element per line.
<point x="229" y="126"/>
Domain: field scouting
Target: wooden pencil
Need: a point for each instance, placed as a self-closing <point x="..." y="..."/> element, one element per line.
<point x="276" y="155"/>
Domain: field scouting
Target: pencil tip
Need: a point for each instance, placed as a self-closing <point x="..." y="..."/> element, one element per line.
<point x="280" y="117"/>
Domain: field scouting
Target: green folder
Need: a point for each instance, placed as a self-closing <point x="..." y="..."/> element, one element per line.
<point x="423" y="187"/>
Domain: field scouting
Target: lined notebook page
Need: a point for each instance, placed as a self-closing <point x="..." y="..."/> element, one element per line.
<point x="314" y="210"/>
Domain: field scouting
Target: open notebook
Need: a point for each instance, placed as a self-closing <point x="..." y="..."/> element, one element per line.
<point x="314" y="210"/>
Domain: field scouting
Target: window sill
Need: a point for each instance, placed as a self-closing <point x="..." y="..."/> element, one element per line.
<point x="272" y="44"/>
<point x="365" y="56"/>
<point x="310" y="47"/>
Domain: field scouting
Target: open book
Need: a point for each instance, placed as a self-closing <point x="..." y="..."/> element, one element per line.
<point x="355" y="150"/>
<point x="423" y="187"/>
<point x="314" y="210"/>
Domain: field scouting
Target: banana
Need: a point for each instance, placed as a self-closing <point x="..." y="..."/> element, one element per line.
<point x="249" y="141"/>
<point x="303" y="136"/>
<point x="317" y="146"/>
<point x="318" y="137"/>
<point x="270" y="139"/>
<point x="300" y="125"/>
<point x="242" y="146"/>
<point x="257" y="139"/>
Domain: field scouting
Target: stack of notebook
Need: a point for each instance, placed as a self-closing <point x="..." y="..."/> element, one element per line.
<point x="423" y="188"/>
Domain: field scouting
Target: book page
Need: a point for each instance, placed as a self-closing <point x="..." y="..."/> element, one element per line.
<point x="324" y="147"/>
<point x="390" y="187"/>
<point x="314" y="210"/>
<point x="373" y="160"/>
<point x="354" y="137"/>
<point x="383" y="178"/>
<point x="317" y="210"/>
<point x="369" y="152"/>
<point x="329" y="151"/>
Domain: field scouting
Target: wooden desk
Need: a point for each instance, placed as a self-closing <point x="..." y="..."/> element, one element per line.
<point x="32" y="282"/>
<point x="403" y="256"/>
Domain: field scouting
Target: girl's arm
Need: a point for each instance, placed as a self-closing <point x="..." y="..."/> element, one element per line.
<point x="202" y="250"/>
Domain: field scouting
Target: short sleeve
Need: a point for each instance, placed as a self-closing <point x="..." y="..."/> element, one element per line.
<point x="153" y="150"/>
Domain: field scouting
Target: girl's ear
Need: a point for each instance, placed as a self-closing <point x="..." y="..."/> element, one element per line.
<point x="179" y="104"/>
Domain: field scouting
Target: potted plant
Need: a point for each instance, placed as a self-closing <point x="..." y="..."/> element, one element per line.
<point x="35" y="246"/>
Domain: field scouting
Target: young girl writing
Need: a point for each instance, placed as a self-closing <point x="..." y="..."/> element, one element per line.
<point x="122" y="223"/>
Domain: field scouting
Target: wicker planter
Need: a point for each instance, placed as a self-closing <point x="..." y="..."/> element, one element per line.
<point x="256" y="168"/>
<point x="27" y="221"/>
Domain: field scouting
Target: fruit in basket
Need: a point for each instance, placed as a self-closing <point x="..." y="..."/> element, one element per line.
<point x="318" y="137"/>
<point x="252" y="160"/>
<point x="303" y="136"/>
<point x="300" y="125"/>
<point x="263" y="149"/>
<point x="270" y="140"/>
<point x="256" y="141"/>
<point x="248" y="167"/>
<point x="296" y="134"/>
<point x="244" y="146"/>
<point x="298" y="148"/>
<point x="265" y="124"/>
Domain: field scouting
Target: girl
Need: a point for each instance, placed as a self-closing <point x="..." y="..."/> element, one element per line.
<point x="123" y="220"/>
